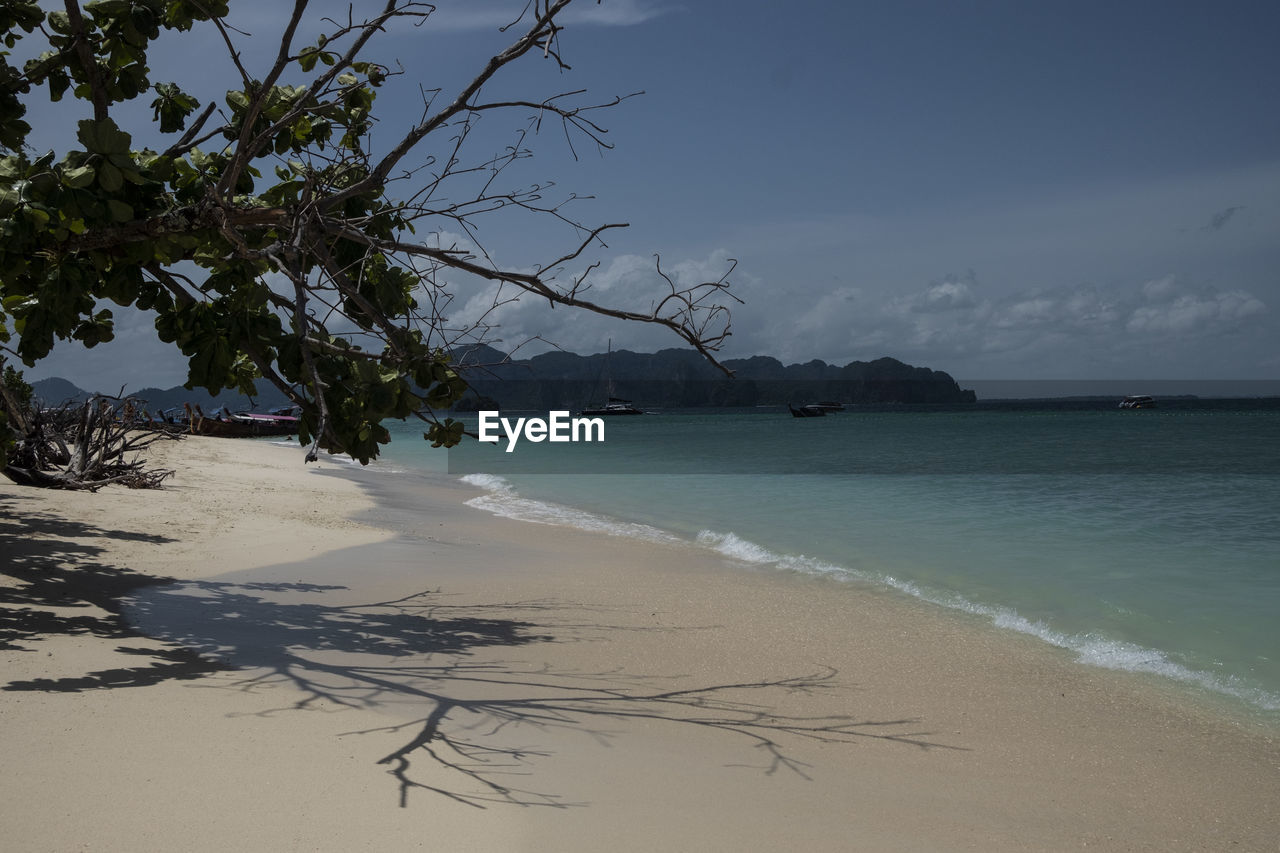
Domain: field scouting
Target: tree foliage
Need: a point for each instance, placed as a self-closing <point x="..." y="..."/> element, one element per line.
<point x="15" y="402"/>
<point x="269" y="236"/>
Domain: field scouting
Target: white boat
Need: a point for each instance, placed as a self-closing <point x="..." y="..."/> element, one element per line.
<point x="1138" y="401"/>
<point x="615" y="406"/>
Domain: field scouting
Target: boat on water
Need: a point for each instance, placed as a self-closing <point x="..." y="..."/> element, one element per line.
<point x="1138" y="401"/>
<point x="816" y="410"/>
<point x="615" y="406"/>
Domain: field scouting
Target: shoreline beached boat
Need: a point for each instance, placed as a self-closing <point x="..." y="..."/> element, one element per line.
<point x="224" y="424"/>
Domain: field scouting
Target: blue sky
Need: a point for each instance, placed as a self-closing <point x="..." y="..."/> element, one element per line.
<point x="1001" y="190"/>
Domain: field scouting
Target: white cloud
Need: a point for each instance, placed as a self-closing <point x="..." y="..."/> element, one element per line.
<point x="1197" y="314"/>
<point x="1030" y="313"/>
<point x="487" y="15"/>
<point x="1159" y="288"/>
<point x="946" y="296"/>
<point x="841" y="302"/>
<point x="615" y="13"/>
<point x="957" y="324"/>
<point x="1071" y="281"/>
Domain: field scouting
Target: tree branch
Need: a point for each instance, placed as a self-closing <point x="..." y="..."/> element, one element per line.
<point x="543" y="27"/>
<point x="683" y="322"/>
<point x="181" y="221"/>
<point x="85" y="56"/>
<point x="257" y="93"/>
<point x="189" y="140"/>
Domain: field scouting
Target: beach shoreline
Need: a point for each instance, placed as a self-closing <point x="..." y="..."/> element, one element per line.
<point x="383" y="664"/>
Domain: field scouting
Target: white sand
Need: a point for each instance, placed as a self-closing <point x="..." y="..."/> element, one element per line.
<point x="581" y="692"/>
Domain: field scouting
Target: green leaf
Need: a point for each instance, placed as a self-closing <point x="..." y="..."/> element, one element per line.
<point x="98" y="329"/>
<point x="446" y="434"/>
<point x="103" y="137"/>
<point x="10" y="198"/>
<point x="59" y="82"/>
<point x="172" y="107"/>
<point x="120" y="212"/>
<point x="110" y="177"/>
<point x="79" y="177"/>
<point x="37" y="217"/>
<point x="132" y="175"/>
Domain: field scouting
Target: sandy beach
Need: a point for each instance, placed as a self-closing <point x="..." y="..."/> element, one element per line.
<point x="264" y="656"/>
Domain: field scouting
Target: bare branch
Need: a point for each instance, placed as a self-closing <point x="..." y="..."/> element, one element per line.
<point x="189" y="139"/>
<point x="687" y="320"/>
<point x="85" y="446"/>
<point x="542" y="28"/>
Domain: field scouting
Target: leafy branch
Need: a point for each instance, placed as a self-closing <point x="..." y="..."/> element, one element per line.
<point x="287" y="250"/>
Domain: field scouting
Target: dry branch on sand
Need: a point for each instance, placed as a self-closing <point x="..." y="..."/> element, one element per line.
<point x="85" y="446"/>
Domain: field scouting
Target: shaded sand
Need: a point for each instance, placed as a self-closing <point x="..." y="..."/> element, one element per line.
<point x="474" y="683"/>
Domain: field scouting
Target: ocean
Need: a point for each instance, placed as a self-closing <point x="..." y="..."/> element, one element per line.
<point x="1146" y="540"/>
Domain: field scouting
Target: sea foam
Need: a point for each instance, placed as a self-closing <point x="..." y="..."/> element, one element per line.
<point x="1089" y="649"/>
<point x="501" y="498"/>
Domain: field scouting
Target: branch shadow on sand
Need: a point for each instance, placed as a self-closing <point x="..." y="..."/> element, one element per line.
<point x="53" y="582"/>
<point x="465" y="726"/>
<point x="463" y="716"/>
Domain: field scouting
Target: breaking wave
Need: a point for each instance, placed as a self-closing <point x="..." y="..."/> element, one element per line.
<point x="501" y="498"/>
<point x="1090" y="649"/>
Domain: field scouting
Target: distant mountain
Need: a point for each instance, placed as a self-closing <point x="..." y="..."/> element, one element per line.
<point x="55" y="390"/>
<point x="681" y="378"/>
<point x="669" y="378"/>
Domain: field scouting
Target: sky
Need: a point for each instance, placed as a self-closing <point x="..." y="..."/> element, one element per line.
<point x="1026" y="189"/>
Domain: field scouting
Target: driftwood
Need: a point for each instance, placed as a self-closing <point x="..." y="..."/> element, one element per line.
<point x="86" y="446"/>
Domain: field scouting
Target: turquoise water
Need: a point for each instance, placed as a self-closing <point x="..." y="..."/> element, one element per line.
<point x="1145" y="541"/>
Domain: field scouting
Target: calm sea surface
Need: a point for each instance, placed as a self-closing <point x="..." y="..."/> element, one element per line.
<point x="1139" y="540"/>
